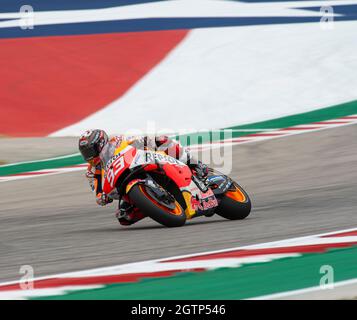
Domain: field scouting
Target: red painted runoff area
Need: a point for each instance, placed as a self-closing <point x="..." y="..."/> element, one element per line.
<point x="48" y="83"/>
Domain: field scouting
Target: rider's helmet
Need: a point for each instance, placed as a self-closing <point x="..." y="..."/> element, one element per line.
<point x="91" y="143"/>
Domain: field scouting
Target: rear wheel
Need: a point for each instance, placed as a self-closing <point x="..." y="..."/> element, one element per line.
<point x="235" y="204"/>
<point x="168" y="214"/>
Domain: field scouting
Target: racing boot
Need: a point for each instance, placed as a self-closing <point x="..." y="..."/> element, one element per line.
<point x="201" y="170"/>
<point x="127" y="214"/>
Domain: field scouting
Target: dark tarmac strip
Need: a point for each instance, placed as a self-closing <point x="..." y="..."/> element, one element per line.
<point x="299" y="185"/>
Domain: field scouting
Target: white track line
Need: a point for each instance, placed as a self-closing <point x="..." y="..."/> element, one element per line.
<point x="168" y="264"/>
<point x="128" y="266"/>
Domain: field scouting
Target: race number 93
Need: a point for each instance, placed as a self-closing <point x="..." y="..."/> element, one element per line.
<point x="116" y="167"/>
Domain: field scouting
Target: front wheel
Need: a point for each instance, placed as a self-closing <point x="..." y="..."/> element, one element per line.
<point x="169" y="215"/>
<point x="235" y="204"/>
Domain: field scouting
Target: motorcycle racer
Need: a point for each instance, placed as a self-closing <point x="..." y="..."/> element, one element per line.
<point x="95" y="145"/>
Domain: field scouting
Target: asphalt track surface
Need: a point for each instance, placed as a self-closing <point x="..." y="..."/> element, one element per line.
<point x="27" y="149"/>
<point x="299" y="185"/>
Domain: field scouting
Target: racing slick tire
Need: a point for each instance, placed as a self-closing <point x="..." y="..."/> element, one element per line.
<point x="235" y="204"/>
<point x="157" y="211"/>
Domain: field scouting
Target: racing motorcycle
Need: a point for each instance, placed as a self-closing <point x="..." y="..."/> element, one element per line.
<point x="166" y="190"/>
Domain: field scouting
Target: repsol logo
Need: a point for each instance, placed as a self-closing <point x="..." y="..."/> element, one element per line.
<point x="157" y="157"/>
